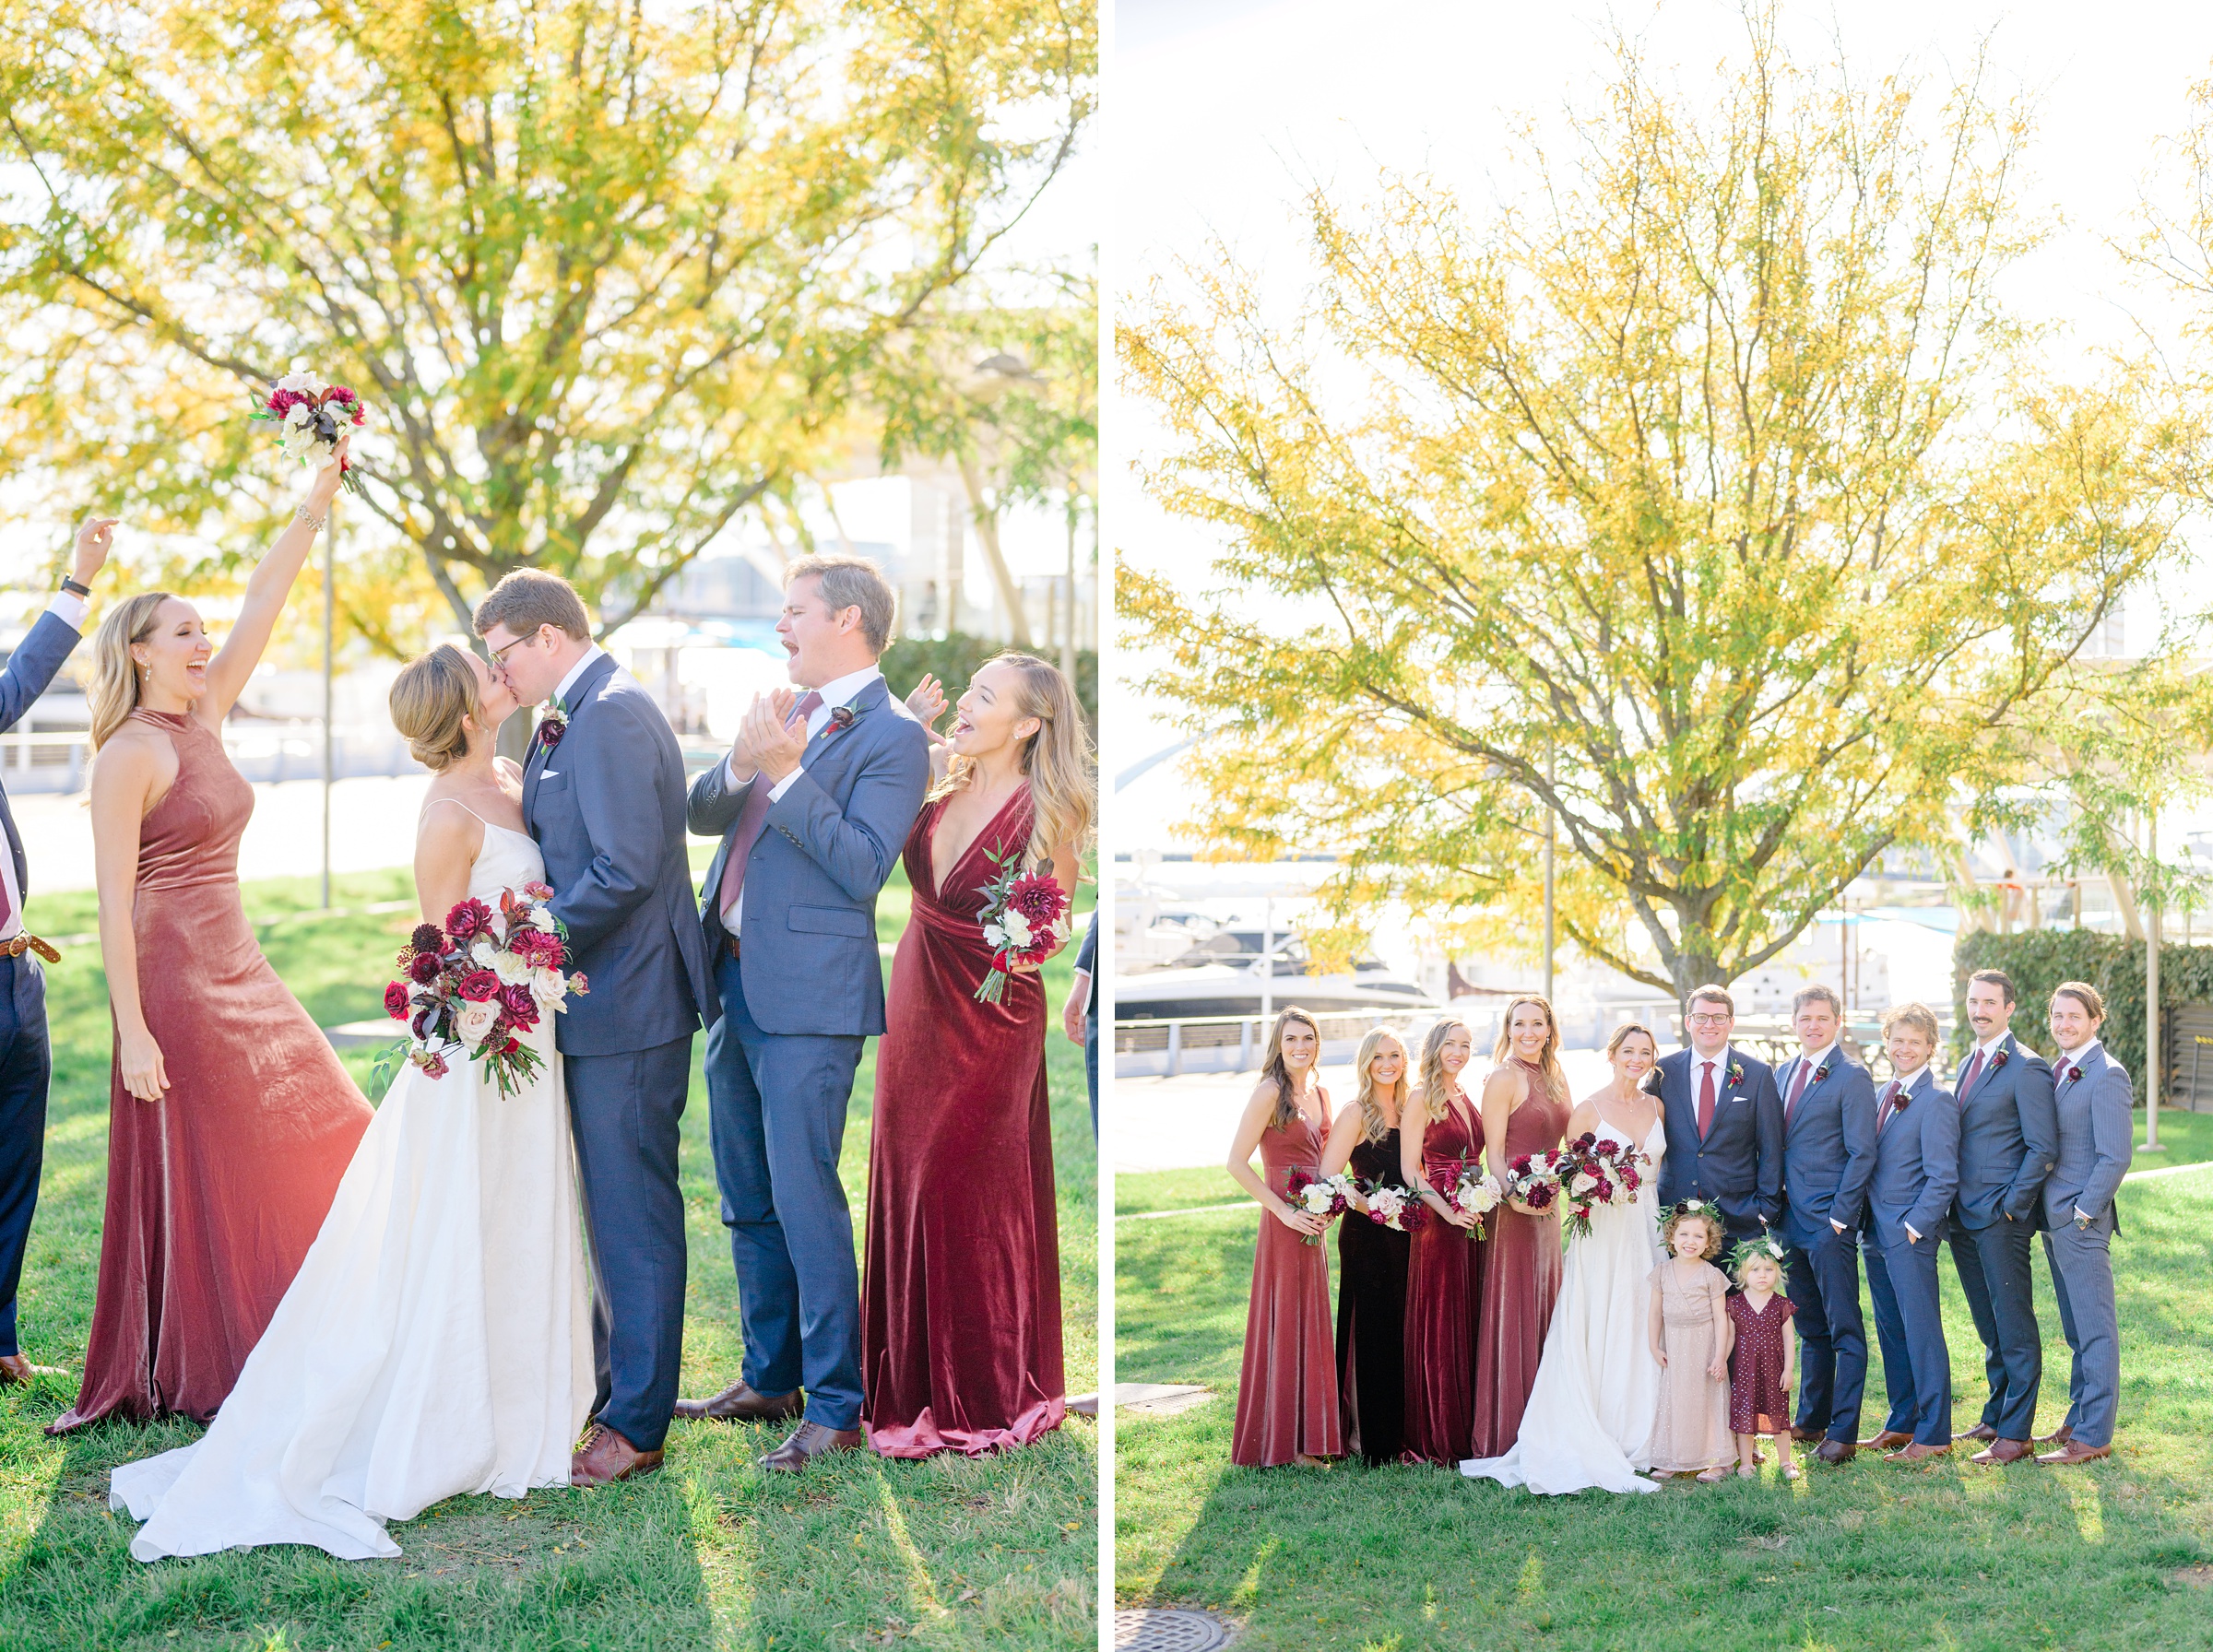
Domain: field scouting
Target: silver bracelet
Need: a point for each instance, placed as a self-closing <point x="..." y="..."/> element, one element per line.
<point x="301" y="514"/>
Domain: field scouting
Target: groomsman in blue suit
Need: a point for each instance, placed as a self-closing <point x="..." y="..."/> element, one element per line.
<point x="2008" y="1136"/>
<point x="1909" y="1198"/>
<point x="26" y="1059"/>
<point x="2097" y="1138"/>
<point x="1827" y="1158"/>
<point x="1724" y="1122"/>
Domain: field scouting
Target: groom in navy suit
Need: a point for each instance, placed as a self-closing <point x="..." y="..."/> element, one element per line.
<point x="2009" y="1138"/>
<point x="1724" y="1122"/>
<point x="603" y="795"/>
<point x="1916" y="1172"/>
<point x="813" y="806"/>
<point x="1828" y="1157"/>
<point x="26" y="1059"/>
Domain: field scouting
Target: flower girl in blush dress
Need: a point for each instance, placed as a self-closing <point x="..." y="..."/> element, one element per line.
<point x="1691" y="1335"/>
<point x="437" y="1340"/>
<point x="1287" y="1387"/>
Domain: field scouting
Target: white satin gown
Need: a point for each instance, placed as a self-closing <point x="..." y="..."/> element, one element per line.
<point x="436" y="1340"/>
<point x="1597" y="1390"/>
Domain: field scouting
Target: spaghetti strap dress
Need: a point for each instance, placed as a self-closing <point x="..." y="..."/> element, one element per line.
<point x="1287" y="1386"/>
<point x="1521" y="1280"/>
<point x="1444" y="1265"/>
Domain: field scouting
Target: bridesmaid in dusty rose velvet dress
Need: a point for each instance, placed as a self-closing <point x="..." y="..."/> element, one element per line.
<point x="1287" y="1386"/>
<point x="230" y="1120"/>
<point x="1437" y="1133"/>
<point x="1525" y="1108"/>
<point x="960" y="1306"/>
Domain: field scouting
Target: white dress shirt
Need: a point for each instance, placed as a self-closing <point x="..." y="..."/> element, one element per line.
<point x="69" y="608"/>
<point x="842" y="690"/>
<point x="1808" y="1064"/>
<point x="583" y="665"/>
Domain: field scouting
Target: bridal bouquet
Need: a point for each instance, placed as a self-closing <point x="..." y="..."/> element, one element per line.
<point x="1533" y="1179"/>
<point x="313" y="417"/>
<point x="1391" y="1206"/>
<point x="1594" y="1172"/>
<point x="1024" y="920"/>
<point x="1467" y="1190"/>
<point x="482" y="980"/>
<point x="1317" y="1195"/>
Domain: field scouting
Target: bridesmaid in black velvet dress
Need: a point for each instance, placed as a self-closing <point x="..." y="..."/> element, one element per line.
<point x="1371" y="1259"/>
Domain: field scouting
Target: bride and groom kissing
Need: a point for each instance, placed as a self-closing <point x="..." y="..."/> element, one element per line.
<point x="442" y="1333"/>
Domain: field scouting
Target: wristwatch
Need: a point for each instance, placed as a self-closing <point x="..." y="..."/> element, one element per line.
<point x="71" y="584"/>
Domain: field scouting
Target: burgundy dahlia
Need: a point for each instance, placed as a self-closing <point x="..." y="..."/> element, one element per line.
<point x="422" y="968"/>
<point x="469" y="920"/>
<point x="427" y="937"/>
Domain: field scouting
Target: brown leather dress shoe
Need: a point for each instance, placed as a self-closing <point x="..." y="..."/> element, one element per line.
<point x="1804" y="1436"/>
<point x="1914" y="1453"/>
<point x="1836" y="1452"/>
<point x="606" y="1457"/>
<point x="2004" y="1451"/>
<point x="2061" y="1435"/>
<point x="1889" y="1440"/>
<point x="1982" y="1430"/>
<point x="18" y="1368"/>
<point x="2072" y="1453"/>
<point x="808" y="1441"/>
<point x="738" y="1403"/>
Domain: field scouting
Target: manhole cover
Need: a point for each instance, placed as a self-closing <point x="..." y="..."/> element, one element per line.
<point x="1168" y="1629"/>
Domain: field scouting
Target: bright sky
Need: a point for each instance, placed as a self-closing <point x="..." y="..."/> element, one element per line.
<point x="1221" y="110"/>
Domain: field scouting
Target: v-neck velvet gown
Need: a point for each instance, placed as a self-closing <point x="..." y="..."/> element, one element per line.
<point x="1287" y="1385"/>
<point x="960" y="1304"/>
<point x="216" y="1191"/>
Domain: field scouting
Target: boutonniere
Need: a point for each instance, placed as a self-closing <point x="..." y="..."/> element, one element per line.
<point x="2071" y="1073"/>
<point x="1997" y="1061"/>
<point x="1736" y="1072"/>
<point x="553" y="723"/>
<point x="1821" y="1072"/>
<point x="842" y="717"/>
<point x="1898" y="1101"/>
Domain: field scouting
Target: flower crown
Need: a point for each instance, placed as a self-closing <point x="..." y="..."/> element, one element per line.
<point x="1704" y="1210"/>
<point x="1749" y="1250"/>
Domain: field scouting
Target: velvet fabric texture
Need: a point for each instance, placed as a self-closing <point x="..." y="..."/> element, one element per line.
<point x="1443" y="1267"/>
<point x="1287" y="1386"/>
<point x="1371" y="1315"/>
<point x="215" y="1192"/>
<point x="960" y="1295"/>
<point x="1521" y="1280"/>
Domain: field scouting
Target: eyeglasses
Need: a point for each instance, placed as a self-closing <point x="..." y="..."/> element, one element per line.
<point x="499" y="655"/>
<point x="1710" y="1020"/>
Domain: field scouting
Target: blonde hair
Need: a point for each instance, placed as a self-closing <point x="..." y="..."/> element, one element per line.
<point x="1374" y="1127"/>
<point x="1548" y="1058"/>
<point x="1919" y="1016"/>
<point x="1620" y="1036"/>
<point x="1433" y="1066"/>
<point x="1273" y="1071"/>
<point x="429" y="697"/>
<point x="113" y="695"/>
<point x="1056" y="760"/>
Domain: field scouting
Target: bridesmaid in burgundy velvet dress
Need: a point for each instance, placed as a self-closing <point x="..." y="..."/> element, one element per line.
<point x="960" y="1305"/>
<point x="1371" y="1259"/>
<point x="230" y="1119"/>
<point x="1525" y="1108"/>
<point x="1287" y="1386"/>
<point x="1437" y="1132"/>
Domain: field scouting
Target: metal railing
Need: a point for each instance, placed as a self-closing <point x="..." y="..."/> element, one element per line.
<point x="266" y="752"/>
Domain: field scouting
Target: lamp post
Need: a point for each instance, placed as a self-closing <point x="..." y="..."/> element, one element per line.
<point x="330" y="598"/>
<point x="1551" y="838"/>
<point x="2151" y="985"/>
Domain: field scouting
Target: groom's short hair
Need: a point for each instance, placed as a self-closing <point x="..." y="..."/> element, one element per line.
<point x="531" y="597"/>
<point x="852" y="582"/>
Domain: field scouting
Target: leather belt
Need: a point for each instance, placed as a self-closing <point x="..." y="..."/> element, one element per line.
<point x="731" y="941"/>
<point x="18" y="944"/>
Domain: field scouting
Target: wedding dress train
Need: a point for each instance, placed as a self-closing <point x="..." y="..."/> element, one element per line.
<point x="1598" y="1386"/>
<point x="436" y="1339"/>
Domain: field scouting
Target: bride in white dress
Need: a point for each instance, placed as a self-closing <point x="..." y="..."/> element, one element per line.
<point x="1597" y="1386"/>
<point x="437" y="1338"/>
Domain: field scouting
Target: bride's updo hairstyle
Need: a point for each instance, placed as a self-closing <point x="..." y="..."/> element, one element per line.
<point x="1056" y="760"/>
<point x="431" y="695"/>
<point x="113" y="695"/>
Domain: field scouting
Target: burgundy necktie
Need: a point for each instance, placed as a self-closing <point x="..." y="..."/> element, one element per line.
<point x="1889" y="1096"/>
<point x="1705" y="1098"/>
<point x="1806" y="1066"/>
<point x="752" y="817"/>
<point x="1974" y="1071"/>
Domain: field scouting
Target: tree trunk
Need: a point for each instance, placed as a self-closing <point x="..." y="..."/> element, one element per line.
<point x="987" y="535"/>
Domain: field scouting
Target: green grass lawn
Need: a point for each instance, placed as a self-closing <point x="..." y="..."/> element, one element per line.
<point x="2118" y="1554"/>
<point x="710" y="1553"/>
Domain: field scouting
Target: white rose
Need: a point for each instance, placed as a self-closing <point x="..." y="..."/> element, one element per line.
<point x="483" y="953"/>
<point x="549" y="987"/>
<point x="511" y="970"/>
<point x="303" y="381"/>
<point x="475" y="1022"/>
<point x="995" y="937"/>
<point x="1584" y="1183"/>
<point x="1018" y="930"/>
<point x="297" y="414"/>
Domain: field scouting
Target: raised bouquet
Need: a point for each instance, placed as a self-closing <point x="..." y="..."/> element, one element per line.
<point x="1596" y="1172"/>
<point x="1463" y="1186"/>
<point x="1533" y="1179"/>
<point x="1317" y="1195"/>
<point x="481" y="983"/>
<point x="1024" y="920"/>
<point x="1391" y="1206"/>
<point x="313" y="418"/>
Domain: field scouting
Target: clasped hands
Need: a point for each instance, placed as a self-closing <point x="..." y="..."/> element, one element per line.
<point x="771" y="740"/>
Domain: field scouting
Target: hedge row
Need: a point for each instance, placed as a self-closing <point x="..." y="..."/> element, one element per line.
<point x="2039" y="961"/>
<point x="954" y="659"/>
